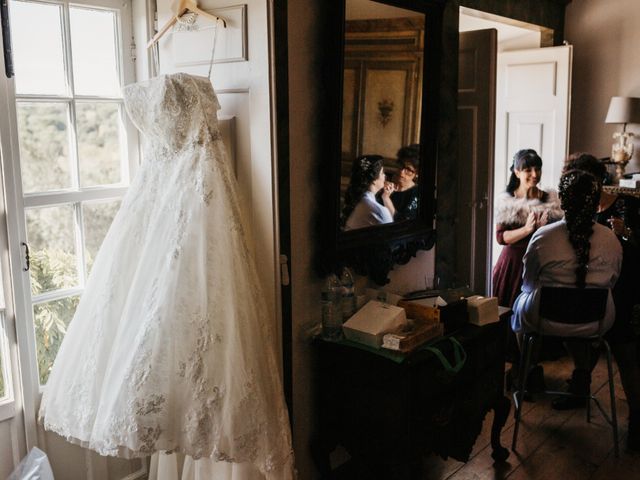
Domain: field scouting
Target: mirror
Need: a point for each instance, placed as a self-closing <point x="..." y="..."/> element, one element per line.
<point x="381" y="92"/>
<point x="382" y="100"/>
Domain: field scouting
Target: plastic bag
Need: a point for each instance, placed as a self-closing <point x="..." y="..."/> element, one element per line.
<point x="35" y="466"/>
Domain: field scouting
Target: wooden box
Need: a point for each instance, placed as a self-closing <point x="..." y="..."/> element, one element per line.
<point x="419" y="311"/>
<point x="413" y="335"/>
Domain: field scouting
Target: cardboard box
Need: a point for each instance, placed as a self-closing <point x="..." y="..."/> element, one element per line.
<point x="426" y="309"/>
<point x="482" y="310"/>
<point x="369" y="324"/>
<point x="408" y="339"/>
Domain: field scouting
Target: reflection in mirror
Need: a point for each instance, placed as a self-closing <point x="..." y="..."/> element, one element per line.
<point x="381" y="111"/>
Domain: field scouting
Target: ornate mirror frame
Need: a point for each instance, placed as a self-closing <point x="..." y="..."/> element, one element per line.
<point x="373" y="251"/>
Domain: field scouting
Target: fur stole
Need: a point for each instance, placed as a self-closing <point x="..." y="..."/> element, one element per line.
<point x="514" y="211"/>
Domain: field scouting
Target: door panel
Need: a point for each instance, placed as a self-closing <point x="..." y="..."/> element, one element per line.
<point x="241" y="79"/>
<point x="476" y="121"/>
<point x="533" y="109"/>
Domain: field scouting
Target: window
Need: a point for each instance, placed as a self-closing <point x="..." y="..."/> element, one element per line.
<point x="75" y="152"/>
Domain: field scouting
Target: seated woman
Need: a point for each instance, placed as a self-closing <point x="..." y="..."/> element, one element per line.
<point x="360" y="208"/>
<point x="405" y="189"/>
<point x="621" y="213"/>
<point x="575" y="251"/>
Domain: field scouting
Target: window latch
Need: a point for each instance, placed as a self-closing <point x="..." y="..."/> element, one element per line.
<point x="27" y="260"/>
<point x="6" y="38"/>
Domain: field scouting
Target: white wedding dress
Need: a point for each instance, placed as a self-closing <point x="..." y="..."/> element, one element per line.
<point x="169" y="349"/>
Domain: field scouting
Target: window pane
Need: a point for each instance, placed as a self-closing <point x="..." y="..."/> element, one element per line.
<point x="97" y="219"/>
<point x="36" y="31"/>
<point x="43" y="133"/>
<point x="51" y="320"/>
<point x="93" y="47"/>
<point x="99" y="150"/>
<point x="52" y="246"/>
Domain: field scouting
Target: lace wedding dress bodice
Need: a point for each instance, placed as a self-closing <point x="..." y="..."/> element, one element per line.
<point x="169" y="348"/>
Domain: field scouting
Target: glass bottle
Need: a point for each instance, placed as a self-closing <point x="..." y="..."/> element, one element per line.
<point x="348" y="294"/>
<point x="331" y="299"/>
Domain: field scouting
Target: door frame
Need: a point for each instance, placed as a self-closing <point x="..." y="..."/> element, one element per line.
<point x="280" y="102"/>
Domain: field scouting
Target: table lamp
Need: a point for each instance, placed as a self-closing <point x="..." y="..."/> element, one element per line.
<point x="623" y="110"/>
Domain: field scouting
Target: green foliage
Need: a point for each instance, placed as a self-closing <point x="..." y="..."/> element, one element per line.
<point x="44" y="134"/>
<point x="51" y="270"/>
<point x="44" y="145"/>
<point x="98" y="143"/>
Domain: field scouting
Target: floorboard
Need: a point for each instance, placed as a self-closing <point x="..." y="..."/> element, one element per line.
<point x="551" y="444"/>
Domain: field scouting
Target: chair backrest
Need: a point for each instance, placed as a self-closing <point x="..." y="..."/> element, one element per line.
<point x="573" y="305"/>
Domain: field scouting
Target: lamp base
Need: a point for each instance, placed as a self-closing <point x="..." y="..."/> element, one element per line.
<point x="620" y="169"/>
<point x="621" y="152"/>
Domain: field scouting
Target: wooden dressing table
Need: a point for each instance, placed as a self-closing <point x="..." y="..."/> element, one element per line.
<point x="388" y="409"/>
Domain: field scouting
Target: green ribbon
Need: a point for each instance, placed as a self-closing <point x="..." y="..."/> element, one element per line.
<point x="459" y="355"/>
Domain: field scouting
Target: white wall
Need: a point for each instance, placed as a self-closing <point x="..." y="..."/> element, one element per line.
<point x="510" y="37"/>
<point x="606" y="63"/>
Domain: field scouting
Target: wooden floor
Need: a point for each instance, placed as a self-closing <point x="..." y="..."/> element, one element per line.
<point x="551" y="445"/>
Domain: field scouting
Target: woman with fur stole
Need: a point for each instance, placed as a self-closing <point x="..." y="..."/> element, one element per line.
<point x="520" y="211"/>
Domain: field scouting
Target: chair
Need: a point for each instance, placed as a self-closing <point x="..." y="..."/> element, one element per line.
<point x="569" y="306"/>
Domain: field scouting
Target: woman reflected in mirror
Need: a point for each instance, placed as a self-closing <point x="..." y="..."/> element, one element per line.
<point x="405" y="188"/>
<point x="360" y="206"/>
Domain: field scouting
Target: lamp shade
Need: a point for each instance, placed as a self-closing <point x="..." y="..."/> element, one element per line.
<point x="623" y="110"/>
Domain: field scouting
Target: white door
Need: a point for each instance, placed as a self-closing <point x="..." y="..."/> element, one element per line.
<point x="532" y="110"/>
<point x="241" y="77"/>
<point x="533" y="97"/>
<point x="68" y="153"/>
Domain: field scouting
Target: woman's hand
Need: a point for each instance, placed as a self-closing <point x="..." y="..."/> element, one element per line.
<point x="543" y="219"/>
<point x="512" y="236"/>
<point x="388" y="189"/>
<point x="530" y="224"/>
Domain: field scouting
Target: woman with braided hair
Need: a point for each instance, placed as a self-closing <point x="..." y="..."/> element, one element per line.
<point x="574" y="252"/>
<point x="622" y="214"/>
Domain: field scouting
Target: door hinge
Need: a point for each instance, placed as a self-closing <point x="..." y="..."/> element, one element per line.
<point x="132" y="51"/>
<point x="284" y="270"/>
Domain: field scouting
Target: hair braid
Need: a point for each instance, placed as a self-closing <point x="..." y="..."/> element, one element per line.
<point x="579" y="195"/>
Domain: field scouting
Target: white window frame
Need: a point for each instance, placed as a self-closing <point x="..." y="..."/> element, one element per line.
<point x="17" y="203"/>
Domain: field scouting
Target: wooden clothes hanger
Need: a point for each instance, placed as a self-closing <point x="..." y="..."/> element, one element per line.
<point x="184" y="6"/>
